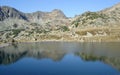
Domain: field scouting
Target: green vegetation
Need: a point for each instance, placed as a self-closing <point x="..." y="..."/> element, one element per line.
<point x="64" y="28"/>
<point x="16" y="31"/>
<point x="94" y="15"/>
<point x="48" y="23"/>
<point x="45" y="31"/>
<point x="76" y="24"/>
<point x="34" y="24"/>
<point x="89" y="16"/>
<point x="15" y="25"/>
<point x="8" y="35"/>
<point x="37" y="30"/>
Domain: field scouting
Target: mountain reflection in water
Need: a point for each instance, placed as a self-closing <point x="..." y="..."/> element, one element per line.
<point x="108" y="53"/>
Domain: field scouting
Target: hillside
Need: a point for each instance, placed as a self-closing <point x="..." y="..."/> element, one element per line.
<point x="100" y="26"/>
<point x="107" y="17"/>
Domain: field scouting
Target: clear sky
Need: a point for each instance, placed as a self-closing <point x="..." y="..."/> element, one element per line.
<point x="69" y="7"/>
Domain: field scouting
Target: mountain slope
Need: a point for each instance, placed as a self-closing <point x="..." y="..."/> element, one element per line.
<point x="109" y="16"/>
<point x="10" y="16"/>
<point x="99" y="26"/>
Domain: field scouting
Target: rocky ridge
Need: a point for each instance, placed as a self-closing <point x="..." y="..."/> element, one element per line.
<point x="98" y="26"/>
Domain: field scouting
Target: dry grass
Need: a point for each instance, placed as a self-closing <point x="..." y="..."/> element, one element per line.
<point x="94" y="31"/>
<point x="43" y="37"/>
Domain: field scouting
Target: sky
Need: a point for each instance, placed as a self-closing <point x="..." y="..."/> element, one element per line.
<point x="69" y="7"/>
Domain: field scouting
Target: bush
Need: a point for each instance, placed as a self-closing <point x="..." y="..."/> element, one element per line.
<point x="15" y="25"/>
<point x="16" y="31"/>
<point x="34" y="24"/>
<point x="94" y="15"/>
<point x="64" y="28"/>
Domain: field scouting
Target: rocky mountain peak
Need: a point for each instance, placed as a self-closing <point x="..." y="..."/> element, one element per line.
<point x="9" y="12"/>
<point x="58" y="13"/>
<point x="38" y="17"/>
<point x="7" y="8"/>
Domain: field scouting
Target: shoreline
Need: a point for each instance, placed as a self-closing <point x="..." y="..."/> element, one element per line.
<point x="81" y="41"/>
<point x="4" y="45"/>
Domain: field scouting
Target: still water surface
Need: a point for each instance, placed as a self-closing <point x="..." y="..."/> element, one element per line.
<point x="60" y="58"/>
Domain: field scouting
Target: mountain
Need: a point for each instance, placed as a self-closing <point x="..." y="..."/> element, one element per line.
<point x="103" y="25"/>
<point x="44" y="17"/>
<point x="10" y="16"/>
<point x="9" y="12"/>
<point x="109" y="16"/>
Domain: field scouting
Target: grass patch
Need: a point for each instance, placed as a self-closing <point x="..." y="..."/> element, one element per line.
<point x="16" y="31"/>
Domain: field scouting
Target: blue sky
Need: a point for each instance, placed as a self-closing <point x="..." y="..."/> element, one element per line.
<point x="69" y="7"/>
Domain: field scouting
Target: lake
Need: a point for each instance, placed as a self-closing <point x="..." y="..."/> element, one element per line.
<point x="60" y="58"/>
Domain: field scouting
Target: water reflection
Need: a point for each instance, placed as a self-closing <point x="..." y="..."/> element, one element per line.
<point x="107" y="53"/>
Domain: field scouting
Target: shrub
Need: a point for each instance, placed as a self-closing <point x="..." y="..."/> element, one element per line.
<point x="76" y="24"/>
<point x="16" y="31"/>
<point x="64" y="28"/>
<point x="15" y="25"/>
